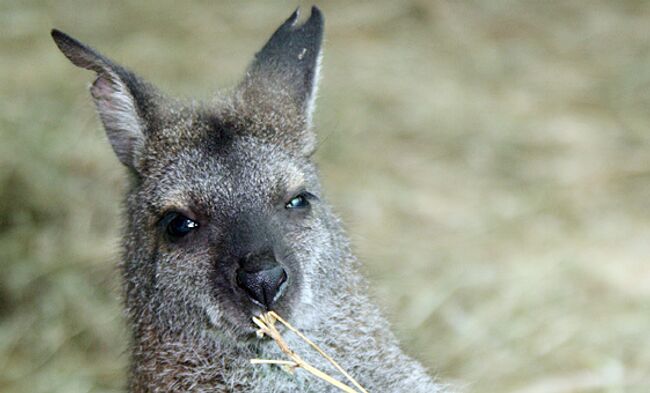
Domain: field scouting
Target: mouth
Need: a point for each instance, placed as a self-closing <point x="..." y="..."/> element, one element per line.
<point x="262" y="299"/>
<point x="232" y="305"/>
<point x="236" y="321"/>
<point x="263" y="285"/>
<point x="254" y="299"/>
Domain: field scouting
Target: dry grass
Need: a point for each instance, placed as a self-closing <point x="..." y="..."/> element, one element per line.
<point x="491" y="159"/>
<point x="266" y="324"/>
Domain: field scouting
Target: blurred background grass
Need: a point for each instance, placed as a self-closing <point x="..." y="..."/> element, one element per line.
<point x="491" y="161"/>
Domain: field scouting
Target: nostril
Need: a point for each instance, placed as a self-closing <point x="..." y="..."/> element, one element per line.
<point x="283" y="278"/>
<point x="263" y="286"/>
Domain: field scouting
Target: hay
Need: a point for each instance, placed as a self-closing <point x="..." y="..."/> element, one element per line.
<point x="266" y="324"/>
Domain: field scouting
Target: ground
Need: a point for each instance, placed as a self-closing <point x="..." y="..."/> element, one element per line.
<point x="491" y="161"/>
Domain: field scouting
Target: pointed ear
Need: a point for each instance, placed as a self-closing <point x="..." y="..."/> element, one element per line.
<point x="122" y="99"/>
<point x="284" y="74"/>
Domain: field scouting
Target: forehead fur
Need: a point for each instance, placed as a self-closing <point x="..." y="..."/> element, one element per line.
<point x="198" y="157"/>
<point x="215" y="126"/>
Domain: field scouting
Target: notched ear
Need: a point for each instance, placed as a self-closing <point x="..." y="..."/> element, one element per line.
<point x="122" y="99"/>
<point x="284" y="74"/>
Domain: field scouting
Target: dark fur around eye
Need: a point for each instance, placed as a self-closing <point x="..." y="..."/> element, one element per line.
<point x="177" y="225"/>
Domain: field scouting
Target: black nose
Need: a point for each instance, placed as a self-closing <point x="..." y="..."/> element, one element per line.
<point x="262" y="281"/>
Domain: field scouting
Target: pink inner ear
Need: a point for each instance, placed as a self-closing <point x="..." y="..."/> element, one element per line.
<point x="117" y="111"/>
<point x="102" y="88"/>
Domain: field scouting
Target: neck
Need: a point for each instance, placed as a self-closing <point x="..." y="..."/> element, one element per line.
<point x="173" y="362"/>
<point x="164" y="361"/>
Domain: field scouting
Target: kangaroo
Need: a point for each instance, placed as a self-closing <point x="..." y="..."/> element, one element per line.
<point x="225" y="219"/>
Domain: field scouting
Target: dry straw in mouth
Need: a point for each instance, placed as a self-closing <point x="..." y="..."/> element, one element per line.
<point x="266" y="324"/>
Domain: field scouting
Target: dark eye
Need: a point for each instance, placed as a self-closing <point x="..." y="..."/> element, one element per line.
<point x="300" y="201"/>
<point x="177" y="225"/>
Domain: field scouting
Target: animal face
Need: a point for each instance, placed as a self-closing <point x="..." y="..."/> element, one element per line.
<point x="231" y="232"/>
<point x="224" y="217"/>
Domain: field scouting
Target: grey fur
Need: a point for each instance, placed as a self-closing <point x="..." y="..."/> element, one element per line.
<point x="232" y="166"/>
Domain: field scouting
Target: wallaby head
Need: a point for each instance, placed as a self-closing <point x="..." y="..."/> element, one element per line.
<point x="223" y="213"/>
<point x="225" y="219"/>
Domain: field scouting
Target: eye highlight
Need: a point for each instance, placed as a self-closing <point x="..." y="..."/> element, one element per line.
<point x="300" y="201"/>
<point x="178" y="225"/>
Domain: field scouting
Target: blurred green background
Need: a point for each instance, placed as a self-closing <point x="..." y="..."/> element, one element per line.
<point x="491" y="161"/>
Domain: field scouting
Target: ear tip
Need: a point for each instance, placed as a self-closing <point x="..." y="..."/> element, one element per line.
<point x="78" y="53"/>
<point x="315" y="16"/>
<point x="63" y="40"/>
<point x="316" y="13"/>
<point x="293" y="17"/>
<point x="58" y="36"/>
<point x="315" y="23"/>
